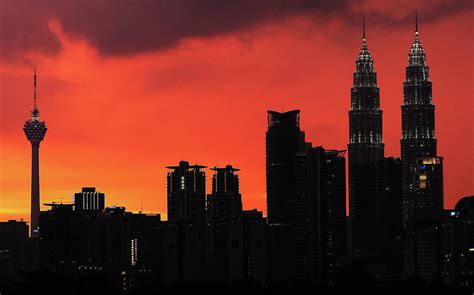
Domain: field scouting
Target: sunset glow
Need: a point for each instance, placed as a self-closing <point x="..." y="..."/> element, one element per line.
<point x="116" y="119"/>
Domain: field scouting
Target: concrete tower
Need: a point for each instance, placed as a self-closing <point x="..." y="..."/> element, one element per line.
<point x="35" y="130"/>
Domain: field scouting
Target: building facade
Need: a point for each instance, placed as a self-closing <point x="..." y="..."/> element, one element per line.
<point x="365" y="152"/>
<point x="422" y="171"/>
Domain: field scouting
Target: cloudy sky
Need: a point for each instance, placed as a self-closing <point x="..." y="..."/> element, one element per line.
<point x="129" y="87"/>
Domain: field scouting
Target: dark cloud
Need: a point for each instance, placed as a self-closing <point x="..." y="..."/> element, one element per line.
<point x="121" y="27"/>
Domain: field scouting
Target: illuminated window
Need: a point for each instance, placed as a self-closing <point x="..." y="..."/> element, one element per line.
<point x="134" y="251"/>
<point x="182" y="183"/>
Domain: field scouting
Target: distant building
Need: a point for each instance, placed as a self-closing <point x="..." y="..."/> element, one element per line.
<point x="365" y="152"/>
<point x="35" y="130"/>
<point x="422" y="176"/>
<point x="114" y="240"/>
<point x="186" y="193"/>
<point x="391" y="223"/>
<point x="14" y="247"/>
<point x="224" y="212"/>
<point x="225" y="202"/>
<point x="464" y="241"/>
<point x="186" y="226"/>
<point x="306" y="205"/>
<point x="423" y="246"/>
<point x="335" y="233"/>
<point x="284" y="140"/>
<point x="89" y="199"/>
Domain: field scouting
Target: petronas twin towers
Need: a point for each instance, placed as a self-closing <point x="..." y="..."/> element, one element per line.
<point x="405" y="210"/>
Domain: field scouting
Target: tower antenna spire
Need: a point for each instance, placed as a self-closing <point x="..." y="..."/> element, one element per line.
<point x="363" y="28"/>
<point x="34" y="84"/>
<point x="35" y="112"/>
<point x="416" y="22"/>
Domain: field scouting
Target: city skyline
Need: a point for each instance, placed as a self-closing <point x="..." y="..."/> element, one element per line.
<point x="62" y="175"/>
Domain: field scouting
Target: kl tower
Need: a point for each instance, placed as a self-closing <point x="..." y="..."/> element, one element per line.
<point x="35" y="131"/>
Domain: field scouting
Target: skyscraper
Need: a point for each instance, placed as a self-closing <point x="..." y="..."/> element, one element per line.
<point x="366" y="150"/>
<point x="283" y="140"/>
<point x="35" y="130"/>
<point x="186" y="194"/>
<point x="422" y="171"/>
<point x="225" y="202"/>
<point x="418" y="121"/>
<point x="224" y="212"/>
<point x="186" y="223"/>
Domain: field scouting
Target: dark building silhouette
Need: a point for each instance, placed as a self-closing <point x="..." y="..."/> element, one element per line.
<point x="306" y="203"/>
<point x="14" y="247"/>
<point x="422" y="171"/>
<point x="448" y="251"/>
<point x="309" y="207"/>
<point x="225" y="202"/>
<point x="283" y="141"/>
<point x="185" y="235"/>
<point x="387" y="265"/>
<point x="89" y="199"/>
<point x="35" y="131"/>
<point x="239" y="249"/>
<point x="224" y="212"/>
<point x="320" y="226"/>
<point x="85" y="241"/>
<point x="254" y="246"/>
<point x="335" y="233"/>
<point x="365" y="151"/>
<point x="186" y="193"/>
<point x="464" y="241"/>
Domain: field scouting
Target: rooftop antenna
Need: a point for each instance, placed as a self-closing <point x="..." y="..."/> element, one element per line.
<point x="416" y="22"/>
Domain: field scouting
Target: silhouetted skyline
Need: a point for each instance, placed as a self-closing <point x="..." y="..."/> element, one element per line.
<point x="379" y="221"/>
<point x="93" y="101"/>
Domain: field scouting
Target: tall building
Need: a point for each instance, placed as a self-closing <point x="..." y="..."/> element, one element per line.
<point x="186" y="223"/>
<point x="422" y="171"/>
<point x="309" y="211"/>
<point x="225" y="202"/>
<point x="35" y="131"/>
<point x="283" y="141"/>
<point x="89" y="199"/>
<point x="418" y="121"/>
<point x="335" y="234"/>
<point x="186" y="194"/>
<point x="224" y="212"/>
<point x="365" y="151"/>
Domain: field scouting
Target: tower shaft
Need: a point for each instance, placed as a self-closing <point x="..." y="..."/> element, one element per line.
<point x="35" y="189"/>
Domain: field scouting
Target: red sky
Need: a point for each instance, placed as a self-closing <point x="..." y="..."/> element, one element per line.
<point x="119" y="108"/>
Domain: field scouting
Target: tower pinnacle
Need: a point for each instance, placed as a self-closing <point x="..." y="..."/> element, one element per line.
<point x="35" y="112"/>
<point x="416" y="22"/>
<point x="363" y="29"/>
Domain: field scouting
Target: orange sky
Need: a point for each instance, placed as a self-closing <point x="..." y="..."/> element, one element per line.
<point x="115" y="121"/>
